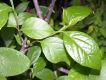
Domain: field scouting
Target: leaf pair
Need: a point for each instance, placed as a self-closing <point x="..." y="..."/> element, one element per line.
<point x="81" y="48"/>
<point x="38" y="29"/>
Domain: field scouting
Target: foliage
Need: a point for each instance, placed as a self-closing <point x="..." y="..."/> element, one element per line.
<point x="65" y="41"/>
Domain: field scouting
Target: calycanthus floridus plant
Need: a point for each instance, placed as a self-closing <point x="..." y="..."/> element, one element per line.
<point x="33" y="49"/>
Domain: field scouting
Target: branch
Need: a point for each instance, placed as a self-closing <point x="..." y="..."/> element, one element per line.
<point x="50" y="10"/>
<point x="37" y="7"/>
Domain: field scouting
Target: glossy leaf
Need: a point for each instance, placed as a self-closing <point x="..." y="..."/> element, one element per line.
<point x="36" y="28"/>
<point x="23" y="16"/>
<point x="34" y="53"/>
<point x="22" y="7"/>
<point x="11" y="21"/>
<point x="79" y="72"/>
<point x="12" y="62"/>
<point x="2" y="77"/>
<point x="72" y="15"/>
<point x="4" y="9"/>
<point x="83" y="49"/>
<point x="45" y="74"/>
<point x="38" y="66"/>
<point x="54" y="51"/>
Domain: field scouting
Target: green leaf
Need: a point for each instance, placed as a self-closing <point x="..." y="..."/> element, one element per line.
<point x="79" y="73"/>
<point x="36" y="28"/>
<point x="65" y="78"/>
<point x="44" y="10"/>
<point x="22" y="7"/>
<point x="18" y="40"/>
<point x="38" y="66"/>
<point x="74" y="14"/>
<point x="45" y="74"/>
<point x="4" y="9"/>
<point x="12" y="62"/>
<point x="34" y="53"/>
<point x="23" y="16"/>
<point x="11" y="21"/>
<point x="2" y="77"/>
<point x="7" y="35"/>
<point x="54" y="51"/>
<point x="83" y="49"/>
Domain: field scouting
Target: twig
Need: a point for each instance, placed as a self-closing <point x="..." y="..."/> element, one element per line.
<point x="24" y="45"/>
<point x="50" y="10"/>
<point x="23" y="41"/>
<point x="37" y="7"/>
<point x="16" y="19"/>
<point x="63" y="70"/>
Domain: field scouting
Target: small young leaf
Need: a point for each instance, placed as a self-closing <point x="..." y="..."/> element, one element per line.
<point x="34" y="53"/>
<point x="83" y="49"/>
<point x="18" y="40"/>
<point x="54" y="51"/>
<point x="12" y="62"/>
<point x="72" y="15"/>
<point x="22" y="7"/>
<point x="36" y="28"/>
<point x="38" y="66"/>
<point x="4" y="9"/>
<point x="44" y="10"/>
<point x="23" y="16"/>
<point x="46" y="74"/>
<point x="11" y="21"/>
